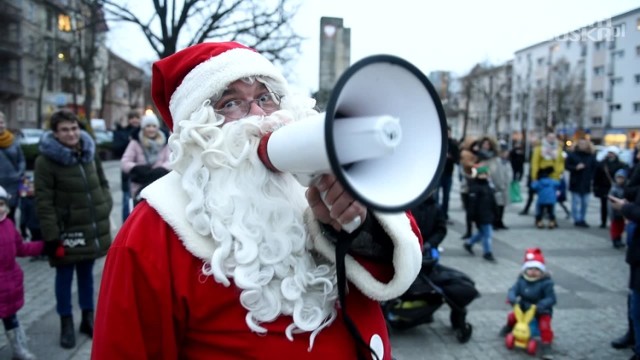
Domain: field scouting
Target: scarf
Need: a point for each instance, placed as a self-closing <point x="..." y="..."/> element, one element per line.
<point x="549" y="150"/>
<point x="6" y="139"/>
<point x="152" y="147"/>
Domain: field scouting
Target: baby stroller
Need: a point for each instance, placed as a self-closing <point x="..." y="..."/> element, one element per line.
<point x="436" y="284"/>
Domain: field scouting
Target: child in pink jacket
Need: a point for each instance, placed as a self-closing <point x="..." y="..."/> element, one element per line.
<point x="11" y="278"/>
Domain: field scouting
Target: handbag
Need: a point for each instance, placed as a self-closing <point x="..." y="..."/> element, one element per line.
<point x="514" y="192"/>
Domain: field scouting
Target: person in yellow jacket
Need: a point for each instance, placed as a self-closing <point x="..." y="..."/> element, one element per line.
<point x="548" y="154"/>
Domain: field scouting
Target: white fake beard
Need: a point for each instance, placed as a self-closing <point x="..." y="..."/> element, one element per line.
<point x="255" y="218"/>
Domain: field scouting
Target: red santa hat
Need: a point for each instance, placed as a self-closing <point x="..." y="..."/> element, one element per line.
<point x="181" y="82"/>
<point x="533" y="258"/>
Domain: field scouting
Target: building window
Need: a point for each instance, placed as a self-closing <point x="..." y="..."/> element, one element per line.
<point x="540" y="60"/>
<point x="64" y="23"/>
<point x="616" y="80"/>
<point x="618" y="54"/>
<point x="598" y="70"/>
<point x="596" y="120"/>
<point x="615" y="107"/>
<point x="598" y="95"/>
<point x="638" y="50"/>
<point x="637" y="77"/>
<point x="636" y="107"/>
<point x="50" y="20"/>
<point x="599" y="45"/>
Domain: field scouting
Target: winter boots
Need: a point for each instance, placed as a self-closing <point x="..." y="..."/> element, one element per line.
<point x="67" y="332"/>
<point x="18" y="343"/>
<point x="617" y="243"/>
<point x="86" y="325"/>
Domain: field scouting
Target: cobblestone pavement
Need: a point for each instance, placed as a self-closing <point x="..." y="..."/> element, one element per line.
<point x="590" y="278"/>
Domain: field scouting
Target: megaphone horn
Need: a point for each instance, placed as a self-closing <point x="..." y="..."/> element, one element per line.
<point x="383" y="135"/>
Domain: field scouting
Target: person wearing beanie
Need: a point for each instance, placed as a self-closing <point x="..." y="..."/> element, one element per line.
<point x="226" y="259"/>
<point x="603" y="179"/>
<point x="12" y="165"/>
<point x="12" y="284"/>
<point x="534" y="286"/>
<point x="482" y="206"/>
<point x="146" y="158"/>
<point x="121" y="138"/>
<point x="73" y="203"/>
<point x="617" y="220"/>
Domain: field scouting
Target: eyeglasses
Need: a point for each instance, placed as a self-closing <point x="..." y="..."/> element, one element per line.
<point x="237" y="109"/>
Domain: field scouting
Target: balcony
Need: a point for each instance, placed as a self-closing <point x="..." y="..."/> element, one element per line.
<point x="10" y="48"/>
<point x="9" y="11"/>
<point x="10" y="88"/>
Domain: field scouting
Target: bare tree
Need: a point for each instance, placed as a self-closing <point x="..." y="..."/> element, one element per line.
<point x="487" y="88"/>
<point x="264" y="26"/>
<point x="562" y="99"/>
<point x="87" y="26"/>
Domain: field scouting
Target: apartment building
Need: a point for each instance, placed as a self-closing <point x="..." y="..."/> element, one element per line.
<point x="583" y="83"/>
<point x="44" y="62"/>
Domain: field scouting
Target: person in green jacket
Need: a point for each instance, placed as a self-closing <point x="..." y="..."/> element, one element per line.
<point x="73" y="205"/>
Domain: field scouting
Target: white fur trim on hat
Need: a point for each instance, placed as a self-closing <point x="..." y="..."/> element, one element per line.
<point x="214" y="75"/>
<point x="534" y="264"/>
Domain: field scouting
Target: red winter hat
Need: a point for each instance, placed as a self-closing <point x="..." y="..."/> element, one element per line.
<point x="181" y="82"/>
<point x="533" y="258"/>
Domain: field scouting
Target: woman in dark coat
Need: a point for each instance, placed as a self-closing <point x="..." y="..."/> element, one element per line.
<point x="73" y="205"/>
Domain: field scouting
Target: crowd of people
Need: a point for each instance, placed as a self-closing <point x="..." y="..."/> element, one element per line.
<point x="224" y="258"/>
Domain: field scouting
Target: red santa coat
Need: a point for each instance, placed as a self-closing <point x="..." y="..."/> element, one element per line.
<point x="155" y="303"/>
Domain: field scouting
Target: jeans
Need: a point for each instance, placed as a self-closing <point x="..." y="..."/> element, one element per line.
<point x="549" y="209"/>
<point x="634" y="309"/>
<point x="10" y="322"/>
<point x="579" y="205"/>
<point x="64" y="278"/>
<point x="126" y="196"/>
<point x="485" y="233"/>
<point x="630" y="229"/>
<point x="445" y="185"/>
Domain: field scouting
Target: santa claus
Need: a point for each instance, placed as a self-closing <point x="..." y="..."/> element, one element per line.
<point x="225" y="259"/>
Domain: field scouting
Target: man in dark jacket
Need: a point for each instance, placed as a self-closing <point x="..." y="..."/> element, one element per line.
<point x="121" y="137"/>
<point x="581" y="164"/>
<point x="446" y="180"/>
<point x="604" y="177"/>
<point x="630" y="208"/>
<point x="73" y="203"/>
<point x="631" y="193"/>
<point x="516" y="158"/>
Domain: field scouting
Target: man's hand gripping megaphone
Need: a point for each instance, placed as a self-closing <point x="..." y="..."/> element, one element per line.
<point x="334" y="206"/>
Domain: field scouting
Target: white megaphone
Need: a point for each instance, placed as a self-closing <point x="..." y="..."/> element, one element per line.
<point x="383" y="135"/>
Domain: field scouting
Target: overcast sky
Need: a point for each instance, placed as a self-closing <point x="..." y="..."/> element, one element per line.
<point x="448" y="35"/>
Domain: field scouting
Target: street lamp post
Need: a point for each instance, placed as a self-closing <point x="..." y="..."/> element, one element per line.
<point x="552" y="48"/>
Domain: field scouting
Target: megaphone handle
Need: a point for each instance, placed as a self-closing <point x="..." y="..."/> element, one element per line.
<point x="349" y="227"/>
